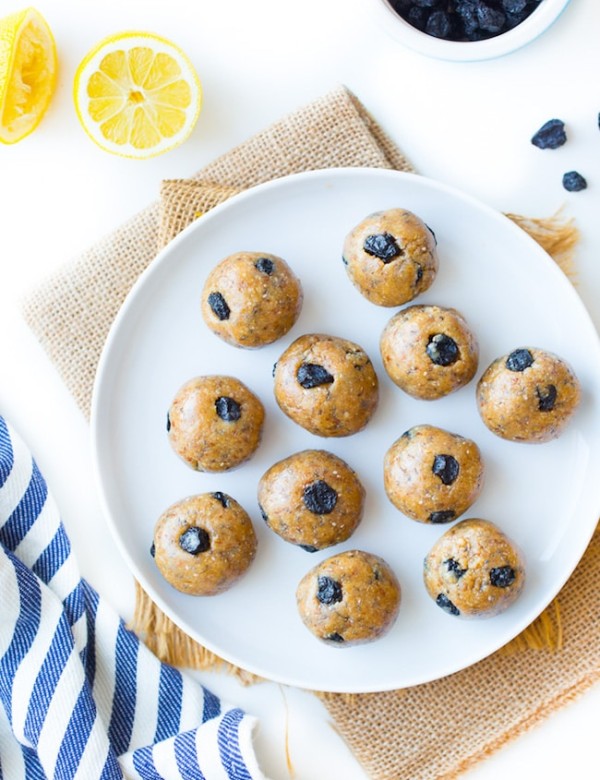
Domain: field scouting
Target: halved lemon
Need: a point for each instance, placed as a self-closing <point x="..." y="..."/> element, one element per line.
<point x="27" y="73"/>
<point x="137" y="94"/>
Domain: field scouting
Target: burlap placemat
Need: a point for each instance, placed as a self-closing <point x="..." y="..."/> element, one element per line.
<point x="431" y="731"/>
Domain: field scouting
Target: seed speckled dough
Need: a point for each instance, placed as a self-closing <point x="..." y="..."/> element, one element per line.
<point x="474" y="570"/>
<point x="326" y="384"/>
<point x="391" y="257"/>
<point x="528" y="395"/>
<point x="203" y="544"/>
<point x="432" y="475"/>
<point x="215" y="423"/>
<point x="251" y="299"/>
<point x="349" y="599"/>
<point x="429" y="351"/>
<point x="311" y="498"/>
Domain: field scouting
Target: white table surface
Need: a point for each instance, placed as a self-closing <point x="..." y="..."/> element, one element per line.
<point x="465" y="124"/>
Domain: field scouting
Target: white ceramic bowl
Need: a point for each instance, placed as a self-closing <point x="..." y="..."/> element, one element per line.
<point x="535" y="24"/>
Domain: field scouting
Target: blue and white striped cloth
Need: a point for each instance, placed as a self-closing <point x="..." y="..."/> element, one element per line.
<point x="82" y="697"/>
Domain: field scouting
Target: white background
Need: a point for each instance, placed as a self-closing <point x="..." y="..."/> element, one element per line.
<point x="467" y="124"/>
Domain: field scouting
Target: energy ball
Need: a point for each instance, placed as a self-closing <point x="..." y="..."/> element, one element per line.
<point x="251" y="299"/>
<point x="432" y="475"/>
<point x="215" y="423"/>
<point x="203" y="544"/>
<point x="327" y="385"/>
<point x="474" y="570"/>
<point x="429" y="351"/>
<point x="528" y="396"/>
<point x="391" y="257"/>
<point x="312" y="499"/>
<point x="349" y="599"/>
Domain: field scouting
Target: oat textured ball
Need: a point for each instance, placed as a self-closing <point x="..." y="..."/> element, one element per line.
<point x="251" y="299"/>
<point x="429" y="351"/>
<point x="349" y="599"/>
<point x="528" y="396"/>
<point x="312" y="499"/>
<point x="203" y="544"/>
<point x="432" y="475"/>
<point x="326" y="384"/>
<point x="391" y="257"/>
<point x="215" y="423"/>
<point x="474" y="570"/>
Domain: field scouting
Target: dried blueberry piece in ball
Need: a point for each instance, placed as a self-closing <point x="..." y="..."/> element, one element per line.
<point x="519" y="360"/>
<point x="222" y="498"/>
<point x="551" y="135"/>
<point x="546" y="397"/>
<point x="194" y="540"/>
<point x="265" y="265"/>
<point x="311" y="375"/>
<point x="309" y="548"/>
<point x="383" y="246"/>
<point x="335" y="637"/>
<point x="168" y="422"/>
<point x="319" y="497"/>
<point x="444" y="603"/>
<point x="219" y="306"/>
<point x="573" y="181"/>
<point x="228" y="409"/>
<point x="263" y="514"/>
<point x="502" y="576"/>
<point x="442" y="350"/>
<point x="329" y="591"/>
<point x="455" y="567"/>
<point x="446" y="467"/>
<point x="439" y="25"/>
<point x="153" y="550"/>
<point x="442" y="516"/>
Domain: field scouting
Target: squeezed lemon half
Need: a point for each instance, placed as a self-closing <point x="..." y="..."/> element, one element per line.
<point x="27" y="73"/>
<point x="137" y="94"/>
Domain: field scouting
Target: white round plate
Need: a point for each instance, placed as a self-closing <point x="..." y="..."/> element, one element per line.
<point x="546" y="497"/>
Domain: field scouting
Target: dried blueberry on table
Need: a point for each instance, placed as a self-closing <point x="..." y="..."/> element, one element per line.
<point x="194" y="540"/>
<point x="335" y="637"/>
<point x="265" y="265"/>
<point x="221" y="498"/>
<point x="546" y="397"/>
<point x="574" y="182"/>
<point x="442" y="516"/>
<point x="311" y="375"/>
<point x="502" y="576"/>
<point x="446" y="468"/>
<point x="442" y="350"/>
<point x="329" y="591"/>
<point x="228" y="409"/>
<point x="455" y="567"/>
<point x="383" y="246"/>
<point x="551" y="135"/>
<point x="519" y="360"/>
<point x="219" y="306"/>
<point x="444" y="603"/>
<point x="319" y="497"/>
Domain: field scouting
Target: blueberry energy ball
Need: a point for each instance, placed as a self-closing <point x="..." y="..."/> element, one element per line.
<point x="203" y="544"/>
<point x="349" y="599"/>
<point x="528" y="396"/>
<point x="215" y="423"/>
<point x="464" y="20"/>
<point x="432" y="475"/>
<point x="312" y="499"/>
<point x="251" y="299"/>
<point x="391" y="257"/>
<point x="474" y="570"/>
<point x="429" y="351"/>
<point x="326" y="384"/>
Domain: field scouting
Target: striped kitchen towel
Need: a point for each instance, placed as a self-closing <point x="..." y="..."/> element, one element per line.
<point x="82" y="696"/>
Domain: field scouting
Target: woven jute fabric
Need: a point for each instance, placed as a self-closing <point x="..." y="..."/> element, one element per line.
<point x="437" y="730"/>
